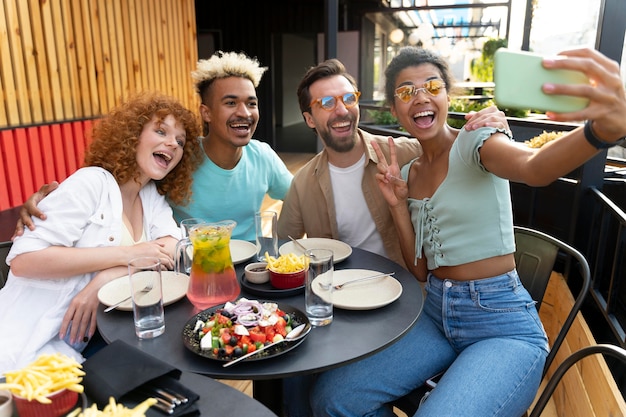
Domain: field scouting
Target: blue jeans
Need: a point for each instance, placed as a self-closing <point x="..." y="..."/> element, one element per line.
<point x="485" y="333"/>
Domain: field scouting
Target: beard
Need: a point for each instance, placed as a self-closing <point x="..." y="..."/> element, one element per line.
<point x="339" y="144"/>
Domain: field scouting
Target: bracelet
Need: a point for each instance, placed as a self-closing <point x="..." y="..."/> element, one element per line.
<point x="595" y="142"/>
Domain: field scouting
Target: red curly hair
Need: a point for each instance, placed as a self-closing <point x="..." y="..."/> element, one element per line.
<point x="115" y="139"/>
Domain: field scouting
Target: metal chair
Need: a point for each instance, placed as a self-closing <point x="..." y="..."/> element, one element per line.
<point x="4" y="268"/>
<point x="605" y="349"/>
<point x="535" y="256"/>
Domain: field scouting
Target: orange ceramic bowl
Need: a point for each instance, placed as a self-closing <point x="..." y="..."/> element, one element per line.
<point x="62" y="402"/>
<point x="287" y="281"/>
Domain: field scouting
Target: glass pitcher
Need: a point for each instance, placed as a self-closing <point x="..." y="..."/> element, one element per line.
<point x="213" y="280"/>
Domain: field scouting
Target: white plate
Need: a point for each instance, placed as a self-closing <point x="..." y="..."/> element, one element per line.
<point x="366" y="295"/>
<point x="174" y="288"/>
<point x="241" y="250"/>
<point x="340" y="250"/>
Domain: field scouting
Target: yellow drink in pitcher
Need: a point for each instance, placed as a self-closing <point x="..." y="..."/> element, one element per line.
<point x="213" y="280"/>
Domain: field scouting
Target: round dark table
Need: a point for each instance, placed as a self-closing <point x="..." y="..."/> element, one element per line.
<point x="353" y="334"/>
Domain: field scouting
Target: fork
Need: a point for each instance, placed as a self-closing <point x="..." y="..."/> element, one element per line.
<point x="340" y="286"/>
<point x="145" y="289"/>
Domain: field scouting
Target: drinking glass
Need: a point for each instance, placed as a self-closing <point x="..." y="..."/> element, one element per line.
<point x="318" y="289"/>
<point x="147" y="294"/>
<point x="265" y="223"/>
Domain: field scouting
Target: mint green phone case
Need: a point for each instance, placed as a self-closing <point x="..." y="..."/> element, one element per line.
<point x="518" y="77"/>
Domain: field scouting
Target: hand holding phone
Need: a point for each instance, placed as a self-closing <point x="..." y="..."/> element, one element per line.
<point x="519" y="75"/>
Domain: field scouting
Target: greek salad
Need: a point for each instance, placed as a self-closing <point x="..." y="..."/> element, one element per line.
<point x="242" y="327"/>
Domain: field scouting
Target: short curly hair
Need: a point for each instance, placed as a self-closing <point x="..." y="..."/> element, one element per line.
<point x="115" y="138"/>
<point x="412" y="56"/>
<point x="224" y="65"/>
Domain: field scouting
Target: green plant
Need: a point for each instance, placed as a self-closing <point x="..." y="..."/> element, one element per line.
<point x="482" y="68"/>
<point x="382" y="117"/>
<point x="465" y="106"/>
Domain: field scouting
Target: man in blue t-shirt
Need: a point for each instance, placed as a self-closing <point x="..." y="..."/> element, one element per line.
<point x="237" y="171"/>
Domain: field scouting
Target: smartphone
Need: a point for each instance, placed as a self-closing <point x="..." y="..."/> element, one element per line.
<point x="519" y="75"/>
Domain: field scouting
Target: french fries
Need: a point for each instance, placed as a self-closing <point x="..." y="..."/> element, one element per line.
<point x="543" y="138"/>
<point x="47" y="374"/>
<point x="113" y="409"/>
<point x="287" y="263"/>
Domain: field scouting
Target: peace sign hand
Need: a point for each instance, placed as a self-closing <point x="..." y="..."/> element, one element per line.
<point x="393" y="188"/>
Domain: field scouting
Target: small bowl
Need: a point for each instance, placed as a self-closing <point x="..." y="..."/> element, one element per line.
<point x="62" y="402"/>
<point x="6" y="403"/>
<point x="289" y="280"/>
<point x="257" y="273"/>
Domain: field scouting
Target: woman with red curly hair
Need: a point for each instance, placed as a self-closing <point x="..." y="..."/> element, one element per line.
<point x="108" y="212"/>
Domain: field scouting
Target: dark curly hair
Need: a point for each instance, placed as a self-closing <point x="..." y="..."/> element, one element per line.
<point x="412" y="56"/>
<point x="115" y="139"/>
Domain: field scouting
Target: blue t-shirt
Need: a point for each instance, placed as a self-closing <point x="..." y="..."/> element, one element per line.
<point x="237" y="194"/>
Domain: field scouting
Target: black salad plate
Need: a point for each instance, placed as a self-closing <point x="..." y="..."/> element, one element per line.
<point x="192" y="341"/>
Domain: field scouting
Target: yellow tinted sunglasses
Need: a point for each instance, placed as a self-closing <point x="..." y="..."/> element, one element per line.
<point x="432" y="87"/>
<point x="329" y="103"/>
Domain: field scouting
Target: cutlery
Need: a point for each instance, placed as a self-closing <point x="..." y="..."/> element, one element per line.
<point x="340" y="286"/>
<point x="299" y="245"/>
<point x="296" y="334"/>
<point x="179" y="397"/>
<point x="162" y="404"/>
<point x="163" y="408"/>
<point x="171" y="398"/>
<point x="147" y="288"/>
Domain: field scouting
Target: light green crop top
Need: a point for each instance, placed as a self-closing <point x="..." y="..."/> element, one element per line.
<point x="469" y="217"/>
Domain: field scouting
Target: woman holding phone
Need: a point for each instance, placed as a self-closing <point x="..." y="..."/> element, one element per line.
<point x="451" y="207"/>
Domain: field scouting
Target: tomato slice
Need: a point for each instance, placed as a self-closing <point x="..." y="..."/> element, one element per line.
<point x="280" y="327"/>
<point x="225" y="337"/>
<point x="256" y="335"/>
<point x="269" y="333"/>
<point x="243" y="340"/>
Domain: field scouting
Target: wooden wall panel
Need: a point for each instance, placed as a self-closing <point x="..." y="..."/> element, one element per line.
<point x="41" y="65"/>
<point x="11" y="115"/>
<point x="76" y="59"/>
<point x="66" y="62"/>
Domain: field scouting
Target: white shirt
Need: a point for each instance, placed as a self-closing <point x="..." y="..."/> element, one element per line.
<point x="354" y="220"/>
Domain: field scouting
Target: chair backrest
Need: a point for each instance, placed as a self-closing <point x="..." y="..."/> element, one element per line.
<point x="4" y="268"/>
<point x="535" y="256"/>
<point x="605" y="349"/>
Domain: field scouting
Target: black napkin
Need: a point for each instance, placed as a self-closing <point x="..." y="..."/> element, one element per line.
<point x="125" y="373"/>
